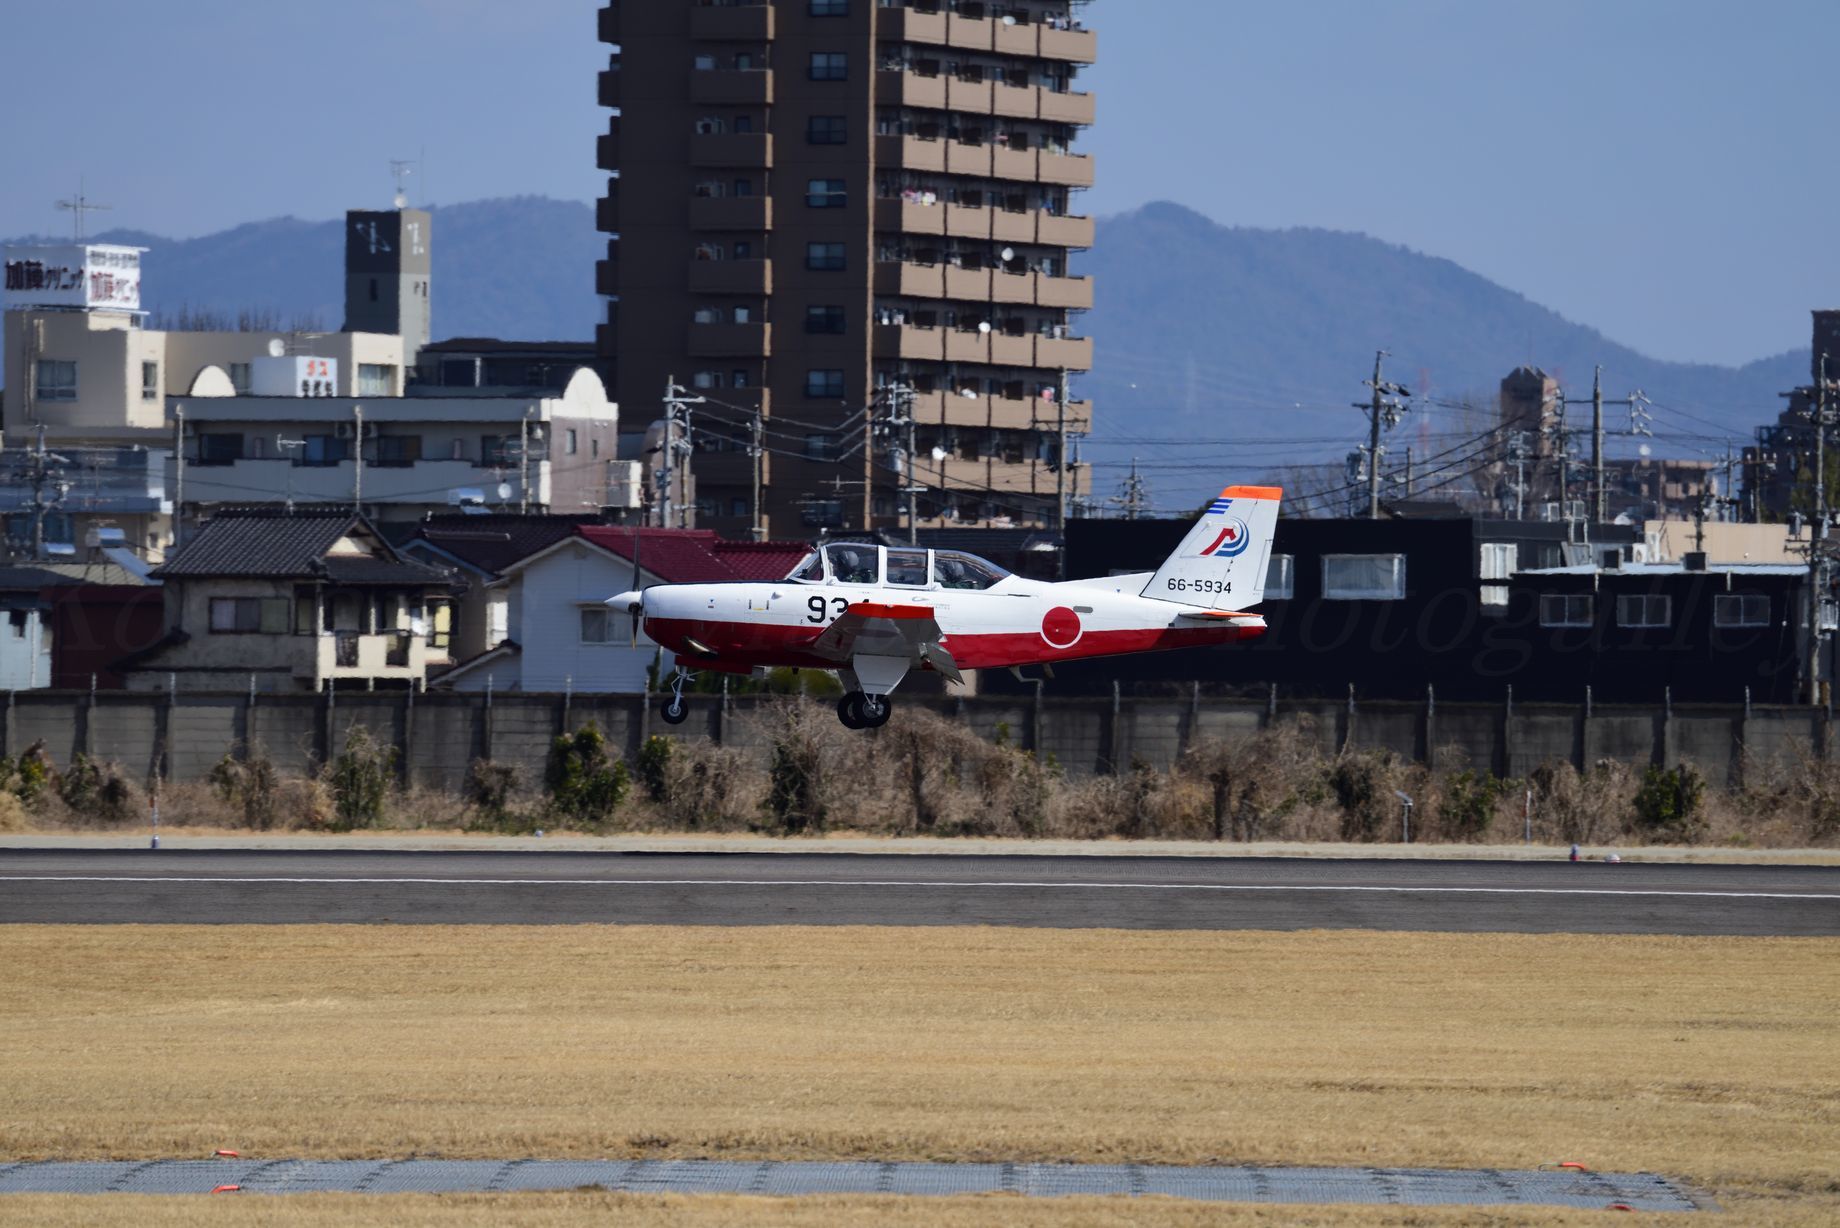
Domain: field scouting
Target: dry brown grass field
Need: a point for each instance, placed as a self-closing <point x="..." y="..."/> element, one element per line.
<point x="1712" y="1060"/>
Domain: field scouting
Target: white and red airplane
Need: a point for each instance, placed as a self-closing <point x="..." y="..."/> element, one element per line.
<point x="873" y="613"/>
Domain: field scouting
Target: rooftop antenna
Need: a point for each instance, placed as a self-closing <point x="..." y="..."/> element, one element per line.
<point x="401" y="168"/>
<point x="78" y="205"/>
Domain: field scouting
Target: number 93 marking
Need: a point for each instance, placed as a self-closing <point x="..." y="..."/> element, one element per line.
<point x="821" y="611"/>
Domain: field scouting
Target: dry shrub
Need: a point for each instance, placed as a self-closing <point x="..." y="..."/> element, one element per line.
<point x="1783" y="802"/>
<point x="807" y="767"/>
<point x="250" y="785"/>
<point x="1573" y="807"/>
<point x="13" y="815"/>
<point x="709" y="788"/>
<point x="1253" y="782"/>
<point x="952" y="781"/>
<point x="1365" y="786"/>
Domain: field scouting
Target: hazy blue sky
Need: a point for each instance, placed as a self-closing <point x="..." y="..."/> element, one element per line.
<point x="1661" y="169"/>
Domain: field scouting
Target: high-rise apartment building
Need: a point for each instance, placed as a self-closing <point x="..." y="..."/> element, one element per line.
<point x="832" y="212"/>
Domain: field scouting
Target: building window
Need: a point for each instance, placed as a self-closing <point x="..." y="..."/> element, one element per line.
<point x="323" y="450"/>
<point x="739" y="379"/>
<point x="219" y="448"/>
<point x="569" y="441"/>
<point x="498" y="615"/>
<point x="1644" y="611"/>
<point x="1281" y="577"/>
<point x="1566" y="610"/>
<point x="824" y="257"/>
<point x="821" y="447"/>
<point x="57" y="380"/>
<point x="495" y="450"/>
<point x="738" y="508"/>
<point x="597" y="625"/>
<point x="830" y="8"/>
<point x="1498" y="563"/>
<point x="1364" y="577"/>
<point x="246" y="615"/>
<point x="830" y="66"/>
<point x="239" y="378"/>
<point x="826" y="194"/>
<point x="824" y="385"/>
<point x="824" y="320"/>
<point x="150" y="381"/>
<point x="398" y="451"/>
<point x="826" y="130"/>
<point x="703" y="63"/>
<point x="376" y="379"/>
<point x="1740" y="610"/>
<point x="440" y="632"/>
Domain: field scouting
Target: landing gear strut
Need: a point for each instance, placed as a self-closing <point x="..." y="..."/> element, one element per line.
<point x="674" y="710"/>
<point x="859" y="711"/>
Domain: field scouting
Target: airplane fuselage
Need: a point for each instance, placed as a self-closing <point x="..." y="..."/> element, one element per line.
<point x="1016" y="622"/>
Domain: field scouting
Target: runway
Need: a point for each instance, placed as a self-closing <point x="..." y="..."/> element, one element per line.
<point x="100" y="886"/>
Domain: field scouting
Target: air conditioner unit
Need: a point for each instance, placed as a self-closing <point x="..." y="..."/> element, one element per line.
<point x="342" y="430"/>
<point x="625" y="484"/>
<point x="370" y="430"/>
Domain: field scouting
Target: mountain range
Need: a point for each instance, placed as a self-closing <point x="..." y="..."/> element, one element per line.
<point x="1201" y="330"/>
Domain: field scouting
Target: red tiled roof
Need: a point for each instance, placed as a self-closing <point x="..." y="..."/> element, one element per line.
<point x="694" y="556"/>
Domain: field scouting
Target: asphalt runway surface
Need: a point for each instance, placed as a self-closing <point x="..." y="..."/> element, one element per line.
<point x="102" y="886"/>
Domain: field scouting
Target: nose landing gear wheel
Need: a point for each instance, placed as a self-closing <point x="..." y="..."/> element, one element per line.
<point x="674" y="710"/>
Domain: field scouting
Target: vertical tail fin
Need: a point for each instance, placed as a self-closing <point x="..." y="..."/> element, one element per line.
<point x="1221" y="564"/>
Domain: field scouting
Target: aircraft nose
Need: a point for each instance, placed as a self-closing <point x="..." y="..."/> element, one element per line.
<point x="628" y="601"/>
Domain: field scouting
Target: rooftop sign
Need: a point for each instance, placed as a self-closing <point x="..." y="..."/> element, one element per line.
<point x="84" y="276"/>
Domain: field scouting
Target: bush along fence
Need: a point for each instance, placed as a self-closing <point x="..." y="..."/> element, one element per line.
<point x="1191" y="768"/>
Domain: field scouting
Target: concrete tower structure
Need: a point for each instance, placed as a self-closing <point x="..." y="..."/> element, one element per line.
<point x="387" y="267"/>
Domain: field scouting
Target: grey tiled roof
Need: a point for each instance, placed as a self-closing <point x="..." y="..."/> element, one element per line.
<point x="282" y="544"/>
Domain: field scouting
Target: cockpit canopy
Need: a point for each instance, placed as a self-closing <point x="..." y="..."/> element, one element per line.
<point x="897" y="566"/>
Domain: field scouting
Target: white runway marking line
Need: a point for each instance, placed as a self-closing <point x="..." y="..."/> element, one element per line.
<point x="1833" y="897"/>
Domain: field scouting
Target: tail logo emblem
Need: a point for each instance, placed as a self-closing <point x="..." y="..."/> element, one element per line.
<point x="1232" y="541"/>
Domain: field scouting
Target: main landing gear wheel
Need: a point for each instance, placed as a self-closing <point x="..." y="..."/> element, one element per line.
<point x="859" y="711"/>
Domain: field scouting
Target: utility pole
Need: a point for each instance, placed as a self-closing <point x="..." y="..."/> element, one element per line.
<point x="357" y="459"/>
<point x="904" y="398"/>
<point x="676" y="413"/>
<point x="1383" y="411"/>
<point x="757" y="450"/>
<point x="1600" y="492"/>
<point x="1135" y="497"/>
<point x="1060" y="461"/>
<point x="1817" y="531"/>
<point x="179" y="473"/>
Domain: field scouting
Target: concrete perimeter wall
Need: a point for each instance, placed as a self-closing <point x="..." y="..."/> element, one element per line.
<point x="439" y="735"/>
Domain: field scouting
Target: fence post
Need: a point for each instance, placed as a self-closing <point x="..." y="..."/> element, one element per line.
<point x="1116" y="751"/>
<point x="249" y="721"/>
<point x="1430" y="728"/>
<point x="6" y="736"/>
<point x="169" y="754"/>
<point x="720" y="730"/>
<point x="1348" y="723"/>
<point x="486" y="750"/>
<point x="1271" y="706"/>
<point x="1035" y="722"/>
<point x="87" y="742"/>
<point x="1664" y="752"/>
<point x="327" y="741"/>
<point x="1193" y="728"/>
<point x="1504" y="748"/>
<point x="405" y="773"/>
<point x="568" y="702"/>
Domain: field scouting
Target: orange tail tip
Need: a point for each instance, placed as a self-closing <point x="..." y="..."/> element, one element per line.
<point x="1253" y="492"/>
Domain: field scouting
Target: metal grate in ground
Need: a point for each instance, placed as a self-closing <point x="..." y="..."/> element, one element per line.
<point x="1397" y="1186"/>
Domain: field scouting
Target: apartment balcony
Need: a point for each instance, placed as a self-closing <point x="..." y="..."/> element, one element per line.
<point x="750" y="277"/>
<point x="731" y="149"/>
<point x="1068" y="353"/>
<point x="730" y="341"/>
<point x="1073" y="170"/>
<point x="899" y="216"/>
<point x="971" y="97"/>
<point x="1016" y="39"/>
<point x="607" y="91"/>
<point x="908" y="25"/>
<point x="910" y="89"/>
<point x="910" y="153"/>
<point x="963" y="159"/>
<point x="606" y="277"/>
<point x="607" y="214"/>
<point x="909" y="341"/>
<point x="966" y="345"/>
<point x="1068" y="46"/>
<point x="341" y="655"/>
<point x="1015" y="101"/>
<point x="1067" y="108"/>
<point x="414" y="484"/>
<point x="898" y="278"/>
<point x="973" y="33"/>
<point x="736" y="87"/>
<point x="968" y="222"/>
<point x="607" y="149"/>
<point x="1012" y="287"/>
<point x="608" y="23"/>
<point x="968" y="285"/>
<point x="731" y="213"/>
<point x="1011" y="350"/>
<point x="951" y="409"/>
<point x="1061" y="231"/>
<point x="732" y="22"/>
<point x="1070" y="293"/>
<point x="1016" y="164"/>
<point x="1028" y="476"/>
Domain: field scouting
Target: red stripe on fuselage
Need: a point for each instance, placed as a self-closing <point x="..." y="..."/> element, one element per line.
<point x="770" y="645"/>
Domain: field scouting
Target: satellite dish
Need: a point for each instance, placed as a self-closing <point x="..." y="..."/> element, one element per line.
<point x="983" y="326"/>
<point x="1008" y="254"/>
<point x="1645" y="450"/>
<point x="1008" y="20"/>
<point x="277" y="348"/>
<point x="504" y="490"/>
<point x="939" y="453"/>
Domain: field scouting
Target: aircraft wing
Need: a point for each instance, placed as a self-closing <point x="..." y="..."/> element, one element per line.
<point x="880" y="629"/>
